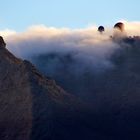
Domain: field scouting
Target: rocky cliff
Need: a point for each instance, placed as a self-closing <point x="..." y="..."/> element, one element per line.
<point x="33" y="107"/>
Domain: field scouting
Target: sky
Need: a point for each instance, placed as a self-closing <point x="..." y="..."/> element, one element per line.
<point x="21" y="14"/>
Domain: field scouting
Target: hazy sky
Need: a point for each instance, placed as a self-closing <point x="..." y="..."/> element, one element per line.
<point x="20" y="14"/>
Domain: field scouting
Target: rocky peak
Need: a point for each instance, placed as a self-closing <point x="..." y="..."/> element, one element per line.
<point x="2" y="43"/>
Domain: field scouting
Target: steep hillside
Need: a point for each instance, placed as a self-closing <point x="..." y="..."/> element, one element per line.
<point x="33" y="107"/>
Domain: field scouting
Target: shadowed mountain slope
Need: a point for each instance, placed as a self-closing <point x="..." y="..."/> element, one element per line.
<point x="33" y="107"/>
<point x="114" y="93"/>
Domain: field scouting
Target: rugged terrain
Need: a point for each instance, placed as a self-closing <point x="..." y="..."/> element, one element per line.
<point x="33" y="107"/>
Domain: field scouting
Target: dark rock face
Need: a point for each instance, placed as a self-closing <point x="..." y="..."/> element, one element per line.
<point x="33" y="107"/>
<point x="15" y="98"/>
<point x="119" y="26"/>
<point x="2" y="43"/>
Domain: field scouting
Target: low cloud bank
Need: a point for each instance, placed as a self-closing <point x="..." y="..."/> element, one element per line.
<point x="71" y="57"/>
<point x="87" y="47"/>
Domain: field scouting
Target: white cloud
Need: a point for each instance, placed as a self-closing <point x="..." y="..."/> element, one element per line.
<point x="7" y="32"/>
<point x="90" y="48"/>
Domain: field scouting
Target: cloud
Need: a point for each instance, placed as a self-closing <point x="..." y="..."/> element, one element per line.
<point x="89" y="48"/>
<point x="7" y="32"/>
<point x="87" y="44"/>
<point x="70" y="56"/>
<point x="132" y="28"/>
